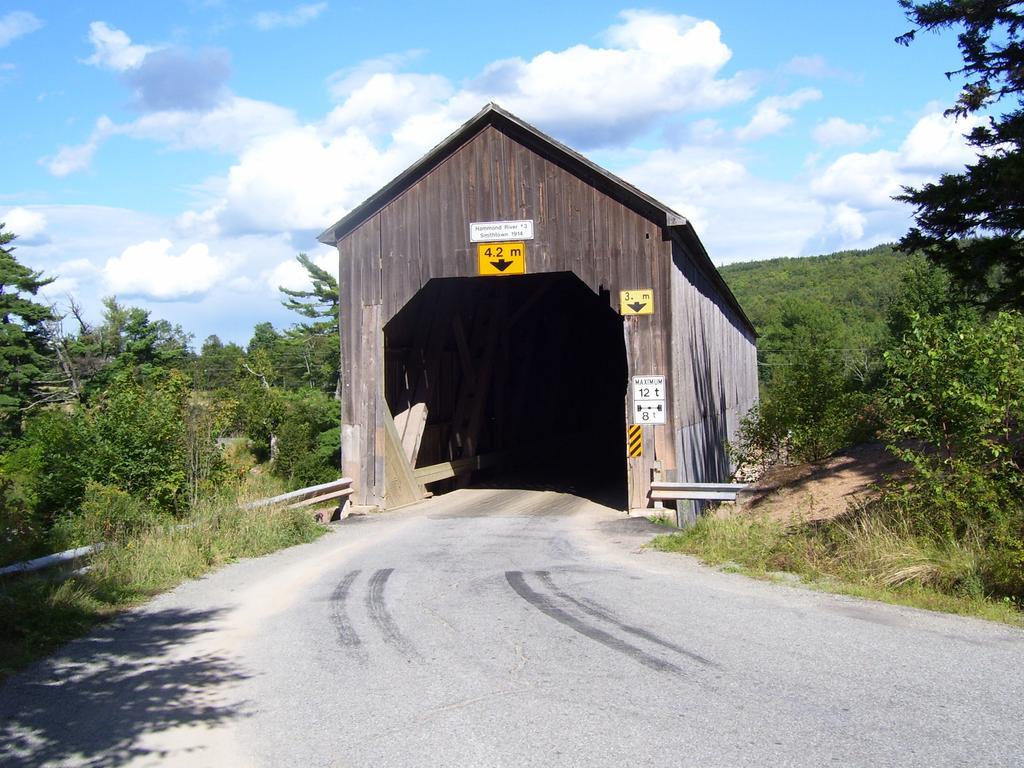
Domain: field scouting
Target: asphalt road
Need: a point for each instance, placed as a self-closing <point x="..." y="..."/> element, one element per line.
<point x="515" y="628"/>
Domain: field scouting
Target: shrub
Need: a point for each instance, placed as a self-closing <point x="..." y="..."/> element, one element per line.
<point x="106" y="514"/>
<point x="139" y="439"/>
<point x="20" y="529"/>
<point x="810" y="406"/>
<point x="53" y="461"/>
<point x="150" y="445"/>
<point x="308" y="439"/>
<point x="792" y="424"/>
<point x="205" y="420"/>
<point x="956" y="391"/>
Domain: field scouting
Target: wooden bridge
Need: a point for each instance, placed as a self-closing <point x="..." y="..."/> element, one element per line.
<point x="512" y="313"/>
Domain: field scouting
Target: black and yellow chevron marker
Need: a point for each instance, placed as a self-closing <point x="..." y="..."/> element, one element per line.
<point x="635" y="441"/>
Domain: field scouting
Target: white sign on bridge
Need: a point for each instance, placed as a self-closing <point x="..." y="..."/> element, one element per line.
<point x="497" y="231"/>
<point x="649" y="400"/>
<point x="648" y="387"/>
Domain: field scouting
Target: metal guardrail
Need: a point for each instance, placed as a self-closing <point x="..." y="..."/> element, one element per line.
<point x="695" y="491"/>
<point x="49" y="561"/>
<point x="662" y="491"/>
<point x="304" y="497"/>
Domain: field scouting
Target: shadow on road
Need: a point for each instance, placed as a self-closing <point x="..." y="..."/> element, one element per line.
<point x="93" y="701"/>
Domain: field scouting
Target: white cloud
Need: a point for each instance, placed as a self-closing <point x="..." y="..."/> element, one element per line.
<point x="185" y="99"/>
<point x="293" y="276"/>
<point x="808" y="66"/>
<point x="818" y="68"/>
<point x="869" y="180"/>
<point x="16" y="24"/>
<point x="296" y="17"/>
<point x="288" y="274"/>
<point x="846" y="222"/>
<point x="163" y="77"/>
<point x="296" y="180"/>
<point x="738" y="216"/>
<point x="385" y="100"/>
<point x="71" y="159"/>
<point x="649" y="70"/>
<point x="772" y="114"/>
<point x="653" y="65"/>
<point x="54" y="293"/>
<point x="342" y="82"/>
<point x="706" y="131"/>
<point x="27" y="224"/>
<point x="229" y="127"/>
<point x="113" y="49"/>
<point x="75" y="267"/>
<point x="936" y="143"/>
<point x="836" y="130"/>
<point x="150" y="269"/>
<point x="176" y="78"/>
<point x="81" y="239"/>
<point x="858" y="187"/>
<point x="70" y="276"/>
<point x="865" y="180"/>
<point x="243" y="284"/>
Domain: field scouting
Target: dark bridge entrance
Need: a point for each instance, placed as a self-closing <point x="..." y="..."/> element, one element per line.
<point x="508" y="308"/>
<point x="526" y="373"/>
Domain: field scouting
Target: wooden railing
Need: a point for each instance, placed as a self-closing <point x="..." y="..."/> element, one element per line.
<point x="449" y="469"/>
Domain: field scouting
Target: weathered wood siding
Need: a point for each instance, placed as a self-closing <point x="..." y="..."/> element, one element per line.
<point x="423" y="233"/>
<point x="714" y="373"/>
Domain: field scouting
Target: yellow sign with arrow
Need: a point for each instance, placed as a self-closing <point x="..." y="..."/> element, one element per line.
<point x="637" y="302"/>
<point x="501" y="258"/>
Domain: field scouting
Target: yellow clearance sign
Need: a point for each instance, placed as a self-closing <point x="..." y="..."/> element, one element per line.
<point x="637" y="302"/>
<point x="501" y="258"/>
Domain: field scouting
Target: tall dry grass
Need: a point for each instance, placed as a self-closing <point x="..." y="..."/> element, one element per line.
<point x="871" y="551"/>
<point x="40" y="612"/>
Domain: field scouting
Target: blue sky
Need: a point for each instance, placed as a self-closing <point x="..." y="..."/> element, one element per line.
<point x="179" y="154"/>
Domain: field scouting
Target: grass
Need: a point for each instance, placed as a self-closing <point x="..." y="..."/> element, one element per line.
<point x="662" y="520"/>
<point x="41" y="612"/>
<point x="862" y="554"/>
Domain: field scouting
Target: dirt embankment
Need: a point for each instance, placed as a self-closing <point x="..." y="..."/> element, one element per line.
<point x="822" y="490"/>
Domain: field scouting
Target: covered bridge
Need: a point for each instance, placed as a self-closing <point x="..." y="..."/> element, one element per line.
<point x="512" y="313"/>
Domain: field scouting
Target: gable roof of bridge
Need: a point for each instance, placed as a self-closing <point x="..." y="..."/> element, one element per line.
<point x="554" y="151"/>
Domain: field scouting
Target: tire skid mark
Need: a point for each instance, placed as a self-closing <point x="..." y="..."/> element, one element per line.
<point x="591" y="608"/>
<point x="347" y="635"/>
<point x="380" y="614"/>
<point x="547" y="606"/>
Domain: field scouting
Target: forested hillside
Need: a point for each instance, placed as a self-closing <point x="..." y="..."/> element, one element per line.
<point x="856" y="286"/>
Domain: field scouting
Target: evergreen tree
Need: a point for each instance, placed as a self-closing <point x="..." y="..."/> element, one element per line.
<point x="126" y="341"/>
<point x="317" y="342"/>
<point x="319" y="304"/>
<point x="971" y="222"/>
<point x="218" y="364"/>
<point x="24" y="356"/>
